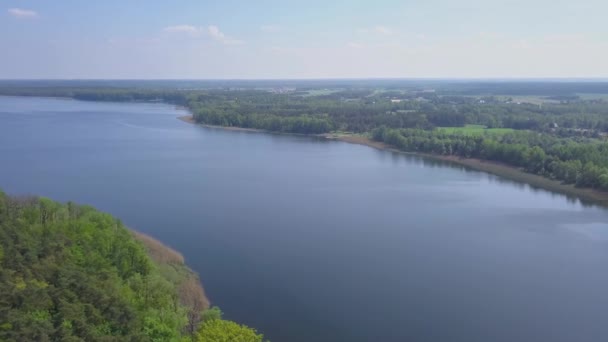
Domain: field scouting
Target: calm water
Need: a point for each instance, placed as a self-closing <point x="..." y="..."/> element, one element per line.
<point x="311" y="240"/>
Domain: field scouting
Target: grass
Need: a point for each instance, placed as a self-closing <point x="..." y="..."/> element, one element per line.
<point x="474" y="130"/>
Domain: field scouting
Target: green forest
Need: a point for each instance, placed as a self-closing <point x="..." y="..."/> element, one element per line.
<point x="71" y="273"/>
<point x="556" y="130"/>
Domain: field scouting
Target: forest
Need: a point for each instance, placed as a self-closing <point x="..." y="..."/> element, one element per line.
<point x="71" y="273"/>
<point x="554" y="129"/>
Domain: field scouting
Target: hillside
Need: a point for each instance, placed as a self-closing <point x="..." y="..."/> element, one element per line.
<point x="71" y="273"/>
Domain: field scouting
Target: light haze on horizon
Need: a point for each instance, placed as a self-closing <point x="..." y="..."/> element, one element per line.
<point x="312" y="39"/>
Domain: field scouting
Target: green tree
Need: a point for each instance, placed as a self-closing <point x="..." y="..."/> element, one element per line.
<point x="211" y="314"/>
<point x="218" y="330"/>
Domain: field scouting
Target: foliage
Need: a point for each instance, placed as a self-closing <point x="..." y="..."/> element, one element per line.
<point x="216" y="329"/>
<point x="211" y="314"/>
<point x="69" y="272"/>
<point x="219" y="330"/>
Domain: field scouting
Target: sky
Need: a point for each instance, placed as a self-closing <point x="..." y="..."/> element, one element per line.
<point x="272" y="39"/>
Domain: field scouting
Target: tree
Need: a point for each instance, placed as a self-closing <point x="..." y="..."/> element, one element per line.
<point x="534" y="160"/>
<point x="219" y="330"/>
<point x="212" y="314"/>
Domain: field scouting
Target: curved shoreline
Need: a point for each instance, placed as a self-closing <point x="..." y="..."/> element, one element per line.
<point x="499" y="169"/>
<point x="191" y="291"/>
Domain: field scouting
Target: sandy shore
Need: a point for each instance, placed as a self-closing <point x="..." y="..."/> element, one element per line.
<point x="360" y="140"/>
<point x="190" y="119"/>
<point x="499" y="169"/>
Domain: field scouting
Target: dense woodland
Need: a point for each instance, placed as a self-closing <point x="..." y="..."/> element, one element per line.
<point x="554" y="129"/>
<point x="72" y="273"/>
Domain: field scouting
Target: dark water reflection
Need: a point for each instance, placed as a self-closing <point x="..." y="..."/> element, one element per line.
<point x="313" y="240"/>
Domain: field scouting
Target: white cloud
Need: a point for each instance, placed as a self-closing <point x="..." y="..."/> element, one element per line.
<point x="270" y="28"/>
<point x="379" y="29"/>
<point x="219" y="36"/>
<point x="20" y="13"/>
<point x="354" y="45"/>
<point x="193" y="30"/>
<point x="212" y="31"/>
<point x="215" y="33"/>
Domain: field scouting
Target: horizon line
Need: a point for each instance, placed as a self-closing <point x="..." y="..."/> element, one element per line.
<point x="549" y="78"/>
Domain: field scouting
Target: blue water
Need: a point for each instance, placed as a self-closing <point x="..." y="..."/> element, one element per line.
<point x="313" y="240"/>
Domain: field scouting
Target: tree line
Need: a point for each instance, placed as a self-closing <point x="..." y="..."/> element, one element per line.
<point x="355" y="110"/>
<point x="579" y="161"/>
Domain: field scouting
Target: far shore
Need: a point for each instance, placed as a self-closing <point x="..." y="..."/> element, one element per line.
<point x="190" y="119"/>
<point x="496" y="168"/>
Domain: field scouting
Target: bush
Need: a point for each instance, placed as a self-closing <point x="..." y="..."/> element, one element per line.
<point x="219" y="330"/>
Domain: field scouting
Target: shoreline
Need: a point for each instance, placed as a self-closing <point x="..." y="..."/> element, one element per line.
<point x="190" y="119"/>
<point x="498" y="169"/>
<point x="495" y="168"/>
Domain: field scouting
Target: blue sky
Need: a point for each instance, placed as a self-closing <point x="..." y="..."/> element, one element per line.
<point x="150" y="39"/>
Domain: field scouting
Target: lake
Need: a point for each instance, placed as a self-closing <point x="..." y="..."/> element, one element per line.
<point x="314" y="240"/>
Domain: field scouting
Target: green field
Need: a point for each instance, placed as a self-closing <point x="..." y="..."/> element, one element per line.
<point x="474" y="130"/>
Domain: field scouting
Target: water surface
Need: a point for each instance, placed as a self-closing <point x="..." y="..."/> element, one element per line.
<point x="312" y="240"/>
